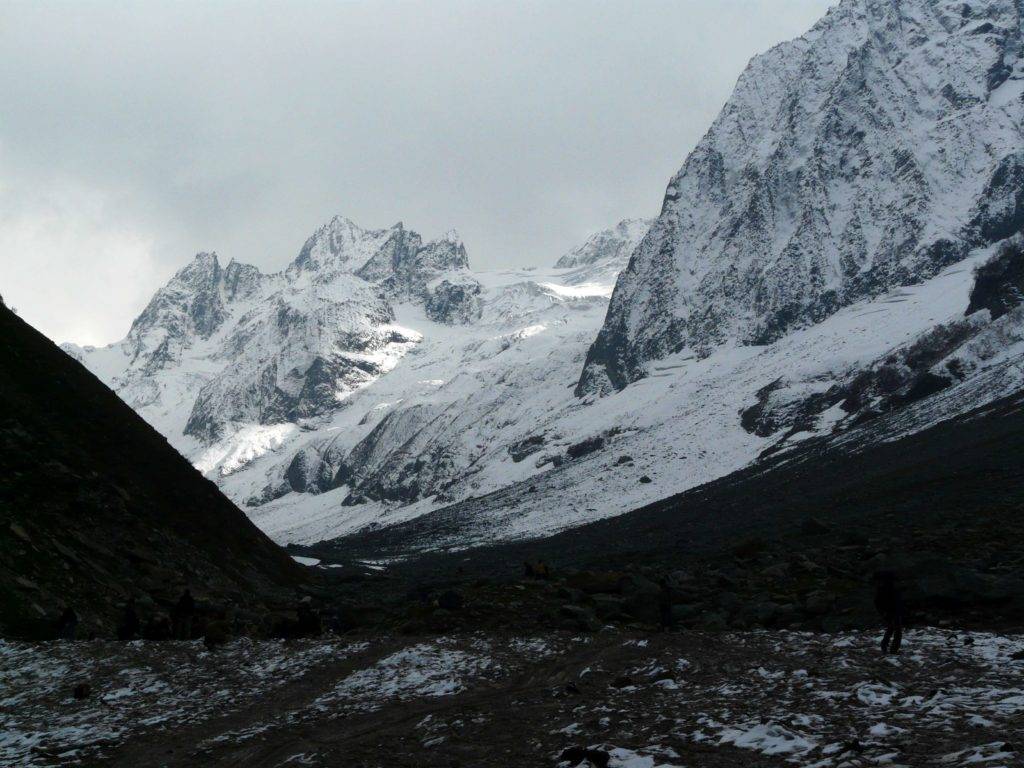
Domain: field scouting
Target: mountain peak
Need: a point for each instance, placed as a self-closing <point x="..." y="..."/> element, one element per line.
<point x="204" y="261"/>
<point x="836" y="170"/>
<point x="614" y="243"/>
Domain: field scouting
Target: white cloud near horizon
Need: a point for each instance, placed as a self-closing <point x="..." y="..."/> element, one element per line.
<point x="133" y="135"/>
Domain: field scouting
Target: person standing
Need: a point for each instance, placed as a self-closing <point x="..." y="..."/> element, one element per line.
<point x="182" y="616"/>
<point x="889" y="603"/>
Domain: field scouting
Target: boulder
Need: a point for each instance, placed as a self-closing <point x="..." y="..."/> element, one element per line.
<point x="580" y="618"/>
<point x="934" y="582"/>
<point x="759" y="614"/>
<point x="574" y="756"/>
<point x="217" y="633"/>
<point x="819" y="603"/>
<point x="608" y="606"/>
<point x="585" y="447"/>
<point x="684" y="614"/>
<point x="641" y="598"/>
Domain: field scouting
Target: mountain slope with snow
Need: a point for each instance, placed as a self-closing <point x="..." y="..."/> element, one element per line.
<point x="872" y="152"/>
<point x="374" y="372"/>
<point x="839" y="250"/>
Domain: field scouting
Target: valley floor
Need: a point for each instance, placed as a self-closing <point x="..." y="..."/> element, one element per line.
<point x="769" y="698"/>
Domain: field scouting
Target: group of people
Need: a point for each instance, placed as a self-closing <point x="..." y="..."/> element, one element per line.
<point x="130" y="626"/>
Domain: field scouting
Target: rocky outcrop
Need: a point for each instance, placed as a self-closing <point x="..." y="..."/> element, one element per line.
<point x="454" y="301"/>
<point x="988" y="336"/>
<point x="871" y="152"/>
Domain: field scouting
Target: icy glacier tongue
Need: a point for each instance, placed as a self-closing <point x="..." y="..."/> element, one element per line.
<point x="874" y="151"/>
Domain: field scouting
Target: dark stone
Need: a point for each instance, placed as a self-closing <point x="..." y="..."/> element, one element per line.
<point x="645" y="480"/>
<point x="1001" y="208"/>
<point x="595" y="582"/>
<point x="642" y="598"/>
<point x="216" y="634"/>
<point x="580" y="618"/>
<point x="526" y="447"/>
<point x="608" y="606"/>
<point x="454" y="303"/>
<point x="999" y="283"/>
<point x="585" y="447"/>
<point x="82" y="691"/>
<point x="576" y="755"/>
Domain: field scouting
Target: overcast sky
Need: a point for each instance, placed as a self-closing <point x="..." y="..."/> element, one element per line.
<point x="134" y="135"/>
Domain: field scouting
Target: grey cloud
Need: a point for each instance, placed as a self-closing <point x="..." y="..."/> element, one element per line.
<point x="240" y="127"/>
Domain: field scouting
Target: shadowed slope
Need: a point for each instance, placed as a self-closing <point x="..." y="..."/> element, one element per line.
<point x="95" y="506"/>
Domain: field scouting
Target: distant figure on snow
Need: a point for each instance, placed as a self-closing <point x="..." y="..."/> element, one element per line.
<point x="129" y="627"/>
<point x="182" y="616"/>
<point x="67" y="624"/>
<point x="890" y="604"/>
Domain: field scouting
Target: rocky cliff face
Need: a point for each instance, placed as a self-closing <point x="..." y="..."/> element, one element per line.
<point x="286" y="388"/>
<point x="872" y="152"/>
<point x="234" y="346"/>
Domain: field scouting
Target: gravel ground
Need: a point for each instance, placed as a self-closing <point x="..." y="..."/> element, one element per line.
<point x="766" y="698"/>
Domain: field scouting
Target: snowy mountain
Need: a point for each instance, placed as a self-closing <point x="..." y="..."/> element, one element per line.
<point x="231" y="346"/>
<point x="873" y="152"/>
<point x="288" y="387"/>
<point x="837" y="261"/>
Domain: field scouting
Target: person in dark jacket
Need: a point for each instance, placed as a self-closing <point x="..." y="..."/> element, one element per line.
<point x="129" y="627"/>
<point x="67" y="624"/>
<point x="182" y="616"/>
<point x="889" y="603"/>
<point x="665" y="619"/>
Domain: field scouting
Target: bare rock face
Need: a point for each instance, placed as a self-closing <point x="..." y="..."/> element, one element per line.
<point x="454" y="301"/>
<point x="872" y="152"/>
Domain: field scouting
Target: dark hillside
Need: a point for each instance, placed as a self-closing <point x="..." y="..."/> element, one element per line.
<point x="95" y="506"/>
